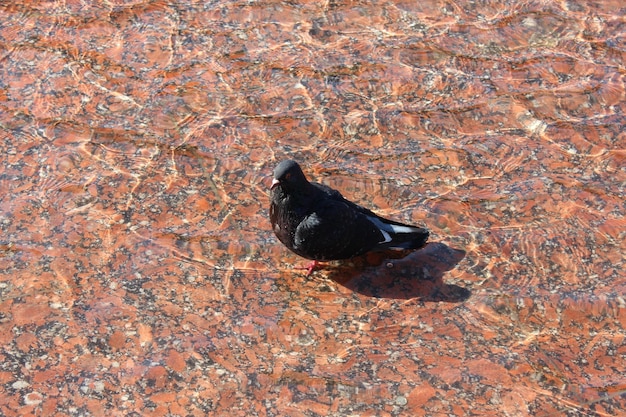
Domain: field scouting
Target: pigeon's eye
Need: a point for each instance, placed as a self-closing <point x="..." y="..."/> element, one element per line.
<point x="288" y="176"/>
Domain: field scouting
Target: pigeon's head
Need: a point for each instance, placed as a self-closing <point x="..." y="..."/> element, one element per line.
<point x="288" y="175"/>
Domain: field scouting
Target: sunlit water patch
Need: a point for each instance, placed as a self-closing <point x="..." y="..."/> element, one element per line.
<point x="138" y="270"/>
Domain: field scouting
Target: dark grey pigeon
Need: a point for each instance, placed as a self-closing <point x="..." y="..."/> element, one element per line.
<point x="316" y="222"/>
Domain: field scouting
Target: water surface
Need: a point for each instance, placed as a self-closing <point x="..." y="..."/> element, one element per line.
<point x="139" y="274"/>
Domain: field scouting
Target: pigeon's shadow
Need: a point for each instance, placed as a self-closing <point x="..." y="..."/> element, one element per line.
<point x="399" y="275"/>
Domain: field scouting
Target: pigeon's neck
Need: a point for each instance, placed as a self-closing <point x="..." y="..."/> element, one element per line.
<point x="300" y="199"/>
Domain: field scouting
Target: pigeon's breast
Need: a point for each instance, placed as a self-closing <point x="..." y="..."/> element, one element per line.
<point x="283" y="218"/>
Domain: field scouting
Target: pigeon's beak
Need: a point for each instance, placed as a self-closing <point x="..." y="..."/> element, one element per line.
<point x="275" y="183"/>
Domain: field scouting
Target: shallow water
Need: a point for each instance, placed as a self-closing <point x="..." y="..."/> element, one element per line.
<point x="139" y="274"/>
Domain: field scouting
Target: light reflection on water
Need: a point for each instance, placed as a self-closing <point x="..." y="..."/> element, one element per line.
<point x="139" y="270"/>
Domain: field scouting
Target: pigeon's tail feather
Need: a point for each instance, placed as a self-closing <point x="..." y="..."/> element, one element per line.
<point x="400" y="236"/>
<point x="414" y="240"/>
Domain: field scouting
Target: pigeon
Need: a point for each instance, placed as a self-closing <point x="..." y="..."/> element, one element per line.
<point x="316" y="222"/>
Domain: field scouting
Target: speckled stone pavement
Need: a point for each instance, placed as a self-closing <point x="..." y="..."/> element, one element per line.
<point x="138" y="272"/>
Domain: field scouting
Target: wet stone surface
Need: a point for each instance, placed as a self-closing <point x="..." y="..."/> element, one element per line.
<point x="138" y="271"/>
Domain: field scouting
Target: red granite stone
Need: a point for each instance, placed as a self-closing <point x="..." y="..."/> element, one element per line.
<point x="138" y="271"/>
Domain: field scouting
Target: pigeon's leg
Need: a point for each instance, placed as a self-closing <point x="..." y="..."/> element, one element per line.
<point x="311" y="268"/>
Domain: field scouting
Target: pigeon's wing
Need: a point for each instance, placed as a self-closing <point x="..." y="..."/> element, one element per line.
<point x="392" y="234"/>
<point x="335" y="230"/>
